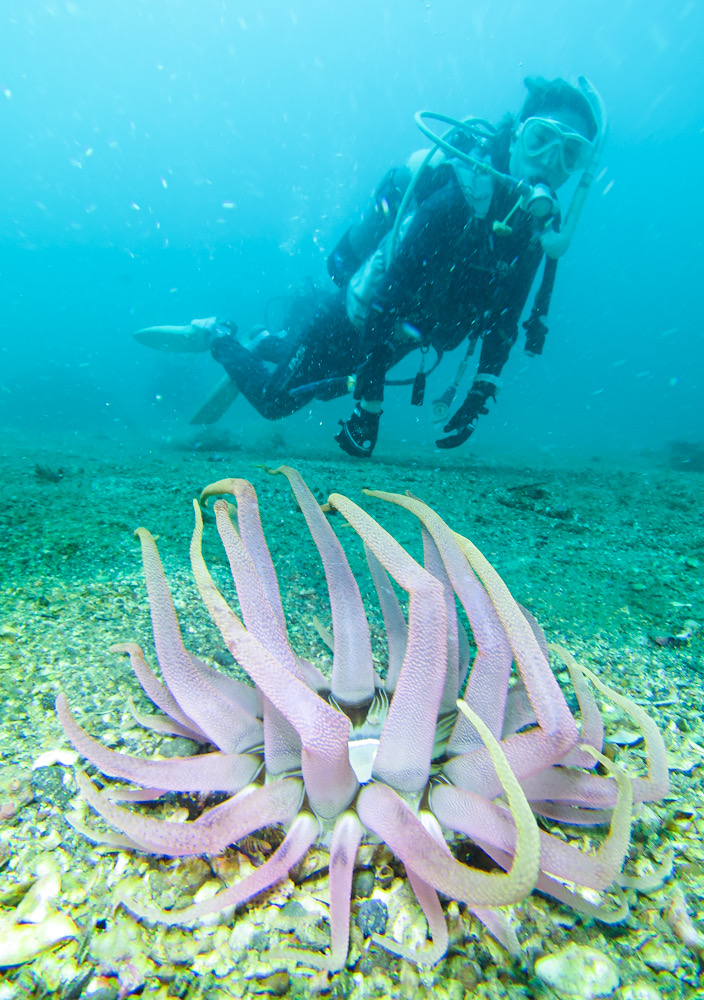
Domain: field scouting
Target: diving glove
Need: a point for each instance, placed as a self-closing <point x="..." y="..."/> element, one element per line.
<point x="455" y="440"/>
<point x="536" y="331"/>
<point x="357" y="435"/>
<point x="463" y="422"/>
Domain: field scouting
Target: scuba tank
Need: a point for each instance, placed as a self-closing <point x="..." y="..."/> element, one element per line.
<point x="366" y="233"/>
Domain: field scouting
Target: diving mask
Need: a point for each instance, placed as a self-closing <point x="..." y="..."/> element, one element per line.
<point x="539" y="136"/>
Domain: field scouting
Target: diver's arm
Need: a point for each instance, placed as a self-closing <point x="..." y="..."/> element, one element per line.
<point x="496" y="347"/>
<point x="535" y="326"/>
<point x="498" y="339"/>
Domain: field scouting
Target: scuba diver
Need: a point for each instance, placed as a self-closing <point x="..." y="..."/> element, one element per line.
<point x="446" y="251"/>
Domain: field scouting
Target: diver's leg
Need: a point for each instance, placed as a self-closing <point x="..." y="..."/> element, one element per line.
<point x="358" y="434"/>
<point x="324" y="350"/>
<point x="314" y="362"/>
<point x="254" y="378"/>
<point x="332" y="354"/>
<point x="248" y="369"/>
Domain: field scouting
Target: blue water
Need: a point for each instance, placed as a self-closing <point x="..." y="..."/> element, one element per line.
<point x="167" y="159"/>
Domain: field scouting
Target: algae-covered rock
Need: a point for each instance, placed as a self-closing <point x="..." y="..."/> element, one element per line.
<point x="578" y="971"/>
<point x="21" y="943"/>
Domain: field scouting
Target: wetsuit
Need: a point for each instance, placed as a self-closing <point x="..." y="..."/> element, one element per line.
<point x="451" y="274"/>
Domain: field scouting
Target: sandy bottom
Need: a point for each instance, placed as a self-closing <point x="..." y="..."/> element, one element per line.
<point x="610" y="561"/>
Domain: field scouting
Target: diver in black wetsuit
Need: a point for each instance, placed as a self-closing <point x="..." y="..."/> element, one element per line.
<point x="446" y="252"/>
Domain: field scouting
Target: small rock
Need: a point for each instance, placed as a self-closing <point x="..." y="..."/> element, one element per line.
<point x="311" y="935"/>
<point x="683" y="764"/>
<point x="15" y="792"/>
<point x="363" y="884"/>
<point x="640" y="989"/>
<point x="21" y="943"/>
<point x="101" y="988"/>
<point x="385" y="876"/>
<point x="277" y="984"/>
<point x="289" y="916"/>
<point x="371" y="917"/>
<point x="223" y="657"/>
<point x="178" y="746"/>
<point x="259" y="940"/>
<point x="49" y="788"/>
<point x="377" y="958"/>
<point x="56" y="756"/>
<point x="625" y="738"/>
<point x="659" y="956"/>
<point x="37" y="905"/>
<point x="578" y="971"/>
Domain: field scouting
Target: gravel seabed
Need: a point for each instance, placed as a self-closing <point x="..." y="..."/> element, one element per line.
<point x="609" y="557"/>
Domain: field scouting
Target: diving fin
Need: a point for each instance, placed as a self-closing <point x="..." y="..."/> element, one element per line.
<point x="177" y="339"/>
<point x="222" y="396"/>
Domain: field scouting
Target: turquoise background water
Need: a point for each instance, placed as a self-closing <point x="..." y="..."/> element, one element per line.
<point x="169" y="159"/>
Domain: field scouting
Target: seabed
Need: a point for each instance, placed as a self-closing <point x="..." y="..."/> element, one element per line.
<point x="609" y="559"/>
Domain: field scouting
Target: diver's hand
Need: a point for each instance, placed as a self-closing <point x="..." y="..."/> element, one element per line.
<point x="474" y="404"/>
<point x="455" y="440"/>
<point x="536" y="331"/>
<point x="462" y="422"/>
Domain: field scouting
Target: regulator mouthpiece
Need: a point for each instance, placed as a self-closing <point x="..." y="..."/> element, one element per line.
<point x="539" y="202"/>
